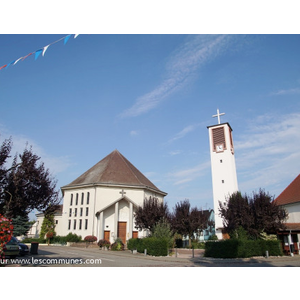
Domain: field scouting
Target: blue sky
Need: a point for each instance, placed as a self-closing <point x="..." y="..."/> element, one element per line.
<point x="152" y="98"/>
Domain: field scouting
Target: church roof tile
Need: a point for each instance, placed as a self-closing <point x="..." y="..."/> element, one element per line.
<point x="114" y="169"/>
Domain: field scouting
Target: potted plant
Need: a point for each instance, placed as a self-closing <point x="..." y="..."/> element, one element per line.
<point x="90" y="239"/>
<point x="104" y="244"/>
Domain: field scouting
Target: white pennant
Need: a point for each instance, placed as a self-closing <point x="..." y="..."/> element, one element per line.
<point x="45" y="49"/>
<point x="17" y="60"/>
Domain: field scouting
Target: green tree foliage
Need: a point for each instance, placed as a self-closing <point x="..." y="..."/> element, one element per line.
<point x="162" y="230"/>
<point x="26" y="185"/>
<point x="47" y="225"/>
<point x="254" y="214"/>
<point x="150" y="213"/>
<point x="21" y="225"/>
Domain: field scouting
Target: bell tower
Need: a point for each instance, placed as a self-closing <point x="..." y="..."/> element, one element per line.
<point x="224" y="178"/>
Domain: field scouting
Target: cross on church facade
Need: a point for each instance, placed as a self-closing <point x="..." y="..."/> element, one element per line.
<point x="122" y="192"/>
<point x="218" y="115"/>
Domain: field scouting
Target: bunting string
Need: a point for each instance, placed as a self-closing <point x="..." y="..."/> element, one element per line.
<point x="39" y="51"/>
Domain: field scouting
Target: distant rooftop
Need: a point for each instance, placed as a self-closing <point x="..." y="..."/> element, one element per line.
<point x="291" y="194"/>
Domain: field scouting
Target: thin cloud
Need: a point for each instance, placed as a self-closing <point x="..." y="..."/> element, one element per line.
<point x="180" y="69"/>
<point x="186" y="175"/>
<point x="286" y="92"/>
<point x="269" y="152"/>
<point x="183" y="132"/>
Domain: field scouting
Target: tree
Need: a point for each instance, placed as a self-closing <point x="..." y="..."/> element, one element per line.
<point x="236" y="212"/>
<point x="26" y="185"/>
<point x="254" y="215"/>
<point x="21" y="225"/>
<point x="150" y="213"/>
<point x="188" y="221"/>
<point x="162" y="230"/>
<point x="267" y="216"/>
<point x="48" y="226"/>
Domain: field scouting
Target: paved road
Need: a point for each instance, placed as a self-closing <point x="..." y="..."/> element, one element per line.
<point x="62" y="256"/>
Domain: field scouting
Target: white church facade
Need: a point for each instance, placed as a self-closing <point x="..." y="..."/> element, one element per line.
<point x="102" y="201"/>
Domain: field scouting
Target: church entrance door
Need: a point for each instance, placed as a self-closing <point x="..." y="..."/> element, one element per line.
<point x="122" y="231"/>
<point x="107" y="235"/>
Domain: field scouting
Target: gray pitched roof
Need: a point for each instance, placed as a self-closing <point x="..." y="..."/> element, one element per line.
<point x="114" y="169"/>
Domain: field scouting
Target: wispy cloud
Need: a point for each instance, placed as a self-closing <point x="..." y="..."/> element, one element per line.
<point x="186" y="175"/>
<point x="180" y="69"/>
<point x="183" y="132"/>
<point x="55" y="164"/>
<point x="269" y="153"/>
<point x="133" y="133"/>
<point x="286" y="92"/>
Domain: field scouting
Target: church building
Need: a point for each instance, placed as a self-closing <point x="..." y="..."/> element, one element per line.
<point x="223" y="169"/>
<point x="102" y="201"/>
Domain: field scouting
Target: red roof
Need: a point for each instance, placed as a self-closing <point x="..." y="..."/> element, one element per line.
<point x="291" y="194"/>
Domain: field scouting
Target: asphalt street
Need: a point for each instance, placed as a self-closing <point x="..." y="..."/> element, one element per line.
<point x="62" y="256"/>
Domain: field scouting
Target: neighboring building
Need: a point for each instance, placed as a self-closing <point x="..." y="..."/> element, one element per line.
<point x="102" y="201"/>
<point x="210" y="230"/>
<point x="224" y="178"/>
<point x="290" y="200"/>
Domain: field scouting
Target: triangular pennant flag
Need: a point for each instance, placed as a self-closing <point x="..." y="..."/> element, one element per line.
<point x="37" y="53"/>
<point x="76" y="35"/>
<point x="67" y="38"/>
<point x="45" y="49"/>
<point x="17" y="60"/>
<point x="26" y="56"/>
<point x="3" y="67"/>
<point x="10" y="64"/>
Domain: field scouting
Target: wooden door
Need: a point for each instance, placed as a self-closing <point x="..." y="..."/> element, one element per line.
<point x="134" y="234"/>
<point x="107" y="235"/>
<point x="122" y="231"/>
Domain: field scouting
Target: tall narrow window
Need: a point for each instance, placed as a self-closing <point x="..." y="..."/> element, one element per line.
<point x="69" y="225"/>
<point x="81" y="211"/>
<point x="88" y="198"/>
<point x="76" y="203"/>
<point x="74" y="225"/>
<point x="70" y="212"/>
<point x="86" y="211"/>
<point x="71" y="201"/>
<point x="86" y="224"/>
<point x="80" y="224"/>
<point x="75" y="213"/>
<point x="82" y="198"/>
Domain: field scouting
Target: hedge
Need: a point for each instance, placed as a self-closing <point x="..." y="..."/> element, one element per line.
<point x="155" y="246"/>
<point x="242" y="248"/>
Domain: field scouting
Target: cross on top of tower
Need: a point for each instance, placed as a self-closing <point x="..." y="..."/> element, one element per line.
<point x="218" y="115"/>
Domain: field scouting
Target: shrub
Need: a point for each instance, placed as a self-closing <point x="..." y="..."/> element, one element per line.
<point x="154" y="246"/>
<point x="117" y="245"/>
<point x="242" y="248"/>
<point x="90" y="238"/>
<point x="103" y="243"/>
<point x="73" y="237"/>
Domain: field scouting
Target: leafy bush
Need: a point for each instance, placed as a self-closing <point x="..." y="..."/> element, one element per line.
<point x="73" y="237"/>
<point x="90" y="238"/>
<point x="154" y="246"/>
<point x="103" y="243"/>
<point x="235" y="248"/>
<point x="117" y="245"/>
